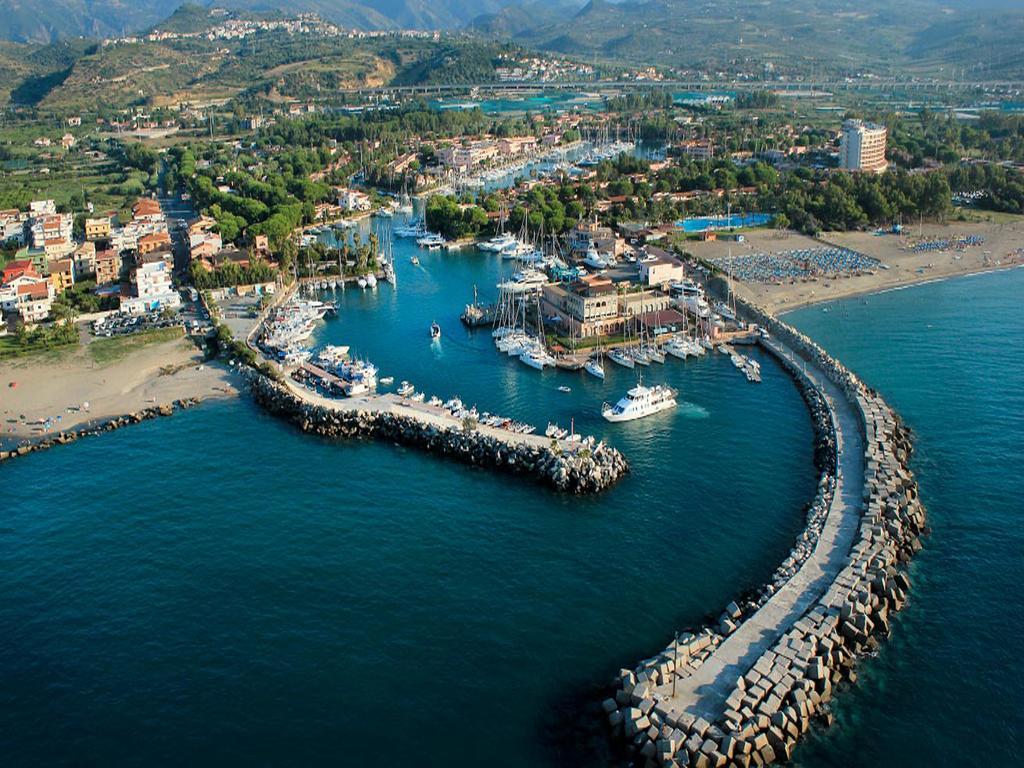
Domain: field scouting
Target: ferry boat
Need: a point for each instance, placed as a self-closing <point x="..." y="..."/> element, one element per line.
<point x="435" y="331"/>
<point x="639" y="402"/>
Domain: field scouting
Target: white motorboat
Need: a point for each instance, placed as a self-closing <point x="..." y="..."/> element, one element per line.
<point x="678" y="348"/>
<point x="499" y="243"/>
<point x="371" y="280"/>
<point x="387" y="381"/>
<point x="405" y="389"/>
<point x="639" y="402"/>
<point x="537" y="358"/>
<point x="435" y="331"/>
<point x="594" y="260"/>
<point x="415" y="260"/>
<point x="361" y="281"/>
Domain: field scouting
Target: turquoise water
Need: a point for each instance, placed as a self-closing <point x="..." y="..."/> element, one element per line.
<point x="547" y="102"/>
<point x="219" y="588"/>
<point x="947" y="688"/>
<point x="701" y="223"/>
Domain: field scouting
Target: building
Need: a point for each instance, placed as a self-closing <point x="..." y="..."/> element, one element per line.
<point x="353" y="200"/>
<point x="12" y="226"/>
<point x="98" y="228"/>
<point x="42" y="208"/>
<point x="153" y="241"/>
<point x="62" y="274"/>
<point x="50" y="227"/>
<point x="147" y="209"/>
<point x="585" y="309"/>
<point x="30" y="298"/>
<point x="697" y="149"/>
<point x="658" y="268"/>
<point x="85" y="260"/>
<point x="862" y="147"/>
<point x="152" y="289"/>
<point x="16" y="269"/>
<point x="108" y="267"/>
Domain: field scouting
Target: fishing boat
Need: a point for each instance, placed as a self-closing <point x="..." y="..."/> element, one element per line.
<point x="621" y="357"/>
<point x="640" y="402"/>
<point x="435" y="331"/>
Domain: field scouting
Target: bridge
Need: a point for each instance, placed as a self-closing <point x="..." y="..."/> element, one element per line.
<point x="783" y="86"/>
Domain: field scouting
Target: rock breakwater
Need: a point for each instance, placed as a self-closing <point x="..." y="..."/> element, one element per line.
<point x="99" y="427"/>
<point x="773" y="696"/>
<point x="578" y="470"/>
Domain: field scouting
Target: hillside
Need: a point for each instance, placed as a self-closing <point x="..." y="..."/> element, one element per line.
<point x="795" y="36"/>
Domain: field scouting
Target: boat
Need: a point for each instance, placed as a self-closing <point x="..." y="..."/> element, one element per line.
<point x="640" y="357"/>
<point x="405" y="389"/>
<point x="431" y="241"/>
<point x="555" y="432"/>
<point x="415" y="260"/>
<point x="564" y="388"/>
<point x="435" y="331"/>
<point x="678" y="348"/>
<point x="621" y="357"/>
<point x="594" y="260"/>
<point x="387" y="381"/>
<point x="537" y="357"/>
<point x="361" y="281"/>
<point x="499" y="243"/>
<point x="594" y="367"/>
<point x="640" y="402"/>
<point x="655" y="354"/>
<point x="384" y="213"/>
<point x="371" y="280"/>
<point x="418" y="397"/>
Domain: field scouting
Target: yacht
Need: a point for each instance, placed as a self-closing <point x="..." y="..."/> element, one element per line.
<point x="594" y="260"/>
<point x="387" y="381"/>
<point x="640" y="357"/>
<point x="594" y="367"/>
<point x="431" y="240"/>
<point x="655" y="354"/>
<point x="537" y="357"/>
<point x="499" y="243"/>
<point x="371" y="280"/>
<point x="639" y="402"/>
<point x="688" y="295"/>
<point x="678" y="348"/>
<point x="413" y="229"/>
<point x="435" y="331"/>
<point x="524" y="281"/>
<point x="621" y="357"/>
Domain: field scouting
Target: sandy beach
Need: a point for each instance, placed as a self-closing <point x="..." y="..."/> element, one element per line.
<point x="51" y="390"/>
<point x="1003" y="248"/>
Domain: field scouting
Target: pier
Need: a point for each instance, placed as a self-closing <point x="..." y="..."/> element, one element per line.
<point x="572" y="466"/>
<point x="743" y="690"/>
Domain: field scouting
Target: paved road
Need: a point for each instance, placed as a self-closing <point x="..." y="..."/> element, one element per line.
<point x="704" y="693"/>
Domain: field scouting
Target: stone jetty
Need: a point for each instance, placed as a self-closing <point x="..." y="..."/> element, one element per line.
<point x="569" y="467"/>
<point x="99" y="427"/>
<point x="742" y="691"/>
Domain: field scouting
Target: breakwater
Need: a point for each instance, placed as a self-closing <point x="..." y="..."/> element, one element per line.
<point x="743" y="690"/>
<point x="99" y="427"/>
<point x="577" y="469"/>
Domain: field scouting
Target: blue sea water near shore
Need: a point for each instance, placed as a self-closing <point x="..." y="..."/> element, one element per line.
<point x="946" y="689"/>
<point x="220" y="587"/>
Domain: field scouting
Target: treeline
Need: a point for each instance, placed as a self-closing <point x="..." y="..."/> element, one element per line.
<point x="230" y="274"/>
<point x="1001" y="189"/>
<point x="446" y="216"/>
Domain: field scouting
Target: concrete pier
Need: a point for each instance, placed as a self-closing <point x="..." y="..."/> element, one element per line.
<point x="579" y="467"/>
<point x="742" y="691"/>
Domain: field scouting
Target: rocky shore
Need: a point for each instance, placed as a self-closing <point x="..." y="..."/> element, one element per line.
<point x="99" y="427"/>
<point x="777" y="696"/>
<point x="579" y="471"/>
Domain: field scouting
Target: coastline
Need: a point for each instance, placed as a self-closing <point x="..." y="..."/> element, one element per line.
<point x="50" y="392"/>
<point x="897" y="286"/>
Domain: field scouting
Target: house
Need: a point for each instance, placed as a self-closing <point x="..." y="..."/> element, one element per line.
<point x="659" y="268"/>
<point x="85" y="260"/>
<point x="147" y="209"/>
<point x="354" y="200"/>
<point x="74" y="121"/>
<point x="16" y="269"/>
<point x="108" y="267"/>
<point x="67" y="141"/>
<point x="62" y="274"/>
<point x="152" y="241"/>
<point x="54" y="227"/>
<point x="98" y="228"/>
<point x="232" y="255"/>
<point x="261" y="246"/>
<point x="152" y="290"/>
<point x="58" y="248"/>
<point x="30" y="298"/>
<point x="12" y="226"/>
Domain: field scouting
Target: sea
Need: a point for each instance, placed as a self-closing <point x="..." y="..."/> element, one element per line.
<point x="219" y="588"/>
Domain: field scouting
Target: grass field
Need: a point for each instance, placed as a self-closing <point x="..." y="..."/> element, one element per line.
<point x="106" y="351"/>
<point x="10" y="349"/>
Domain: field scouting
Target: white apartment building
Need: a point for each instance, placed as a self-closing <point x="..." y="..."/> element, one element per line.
<point x="862" y="146"/>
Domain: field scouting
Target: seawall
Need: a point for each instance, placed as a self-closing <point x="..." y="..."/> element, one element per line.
<point x="742" y="691"/>
<point x="577" y="470"/>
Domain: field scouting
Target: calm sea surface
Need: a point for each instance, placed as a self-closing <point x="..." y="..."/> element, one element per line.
<point x="948" y="688"/>
<point x="218" y="588"/>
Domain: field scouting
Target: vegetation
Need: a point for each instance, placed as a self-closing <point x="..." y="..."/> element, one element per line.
<point x="109" y="350"/>
<point x="40" y="338"/>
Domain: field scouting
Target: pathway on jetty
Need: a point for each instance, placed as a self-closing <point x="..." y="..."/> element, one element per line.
<point x="703" y="694"/>
<point x="428" y="414"/>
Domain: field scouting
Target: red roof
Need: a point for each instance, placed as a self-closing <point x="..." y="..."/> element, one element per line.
<point x="35" y="290"/>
